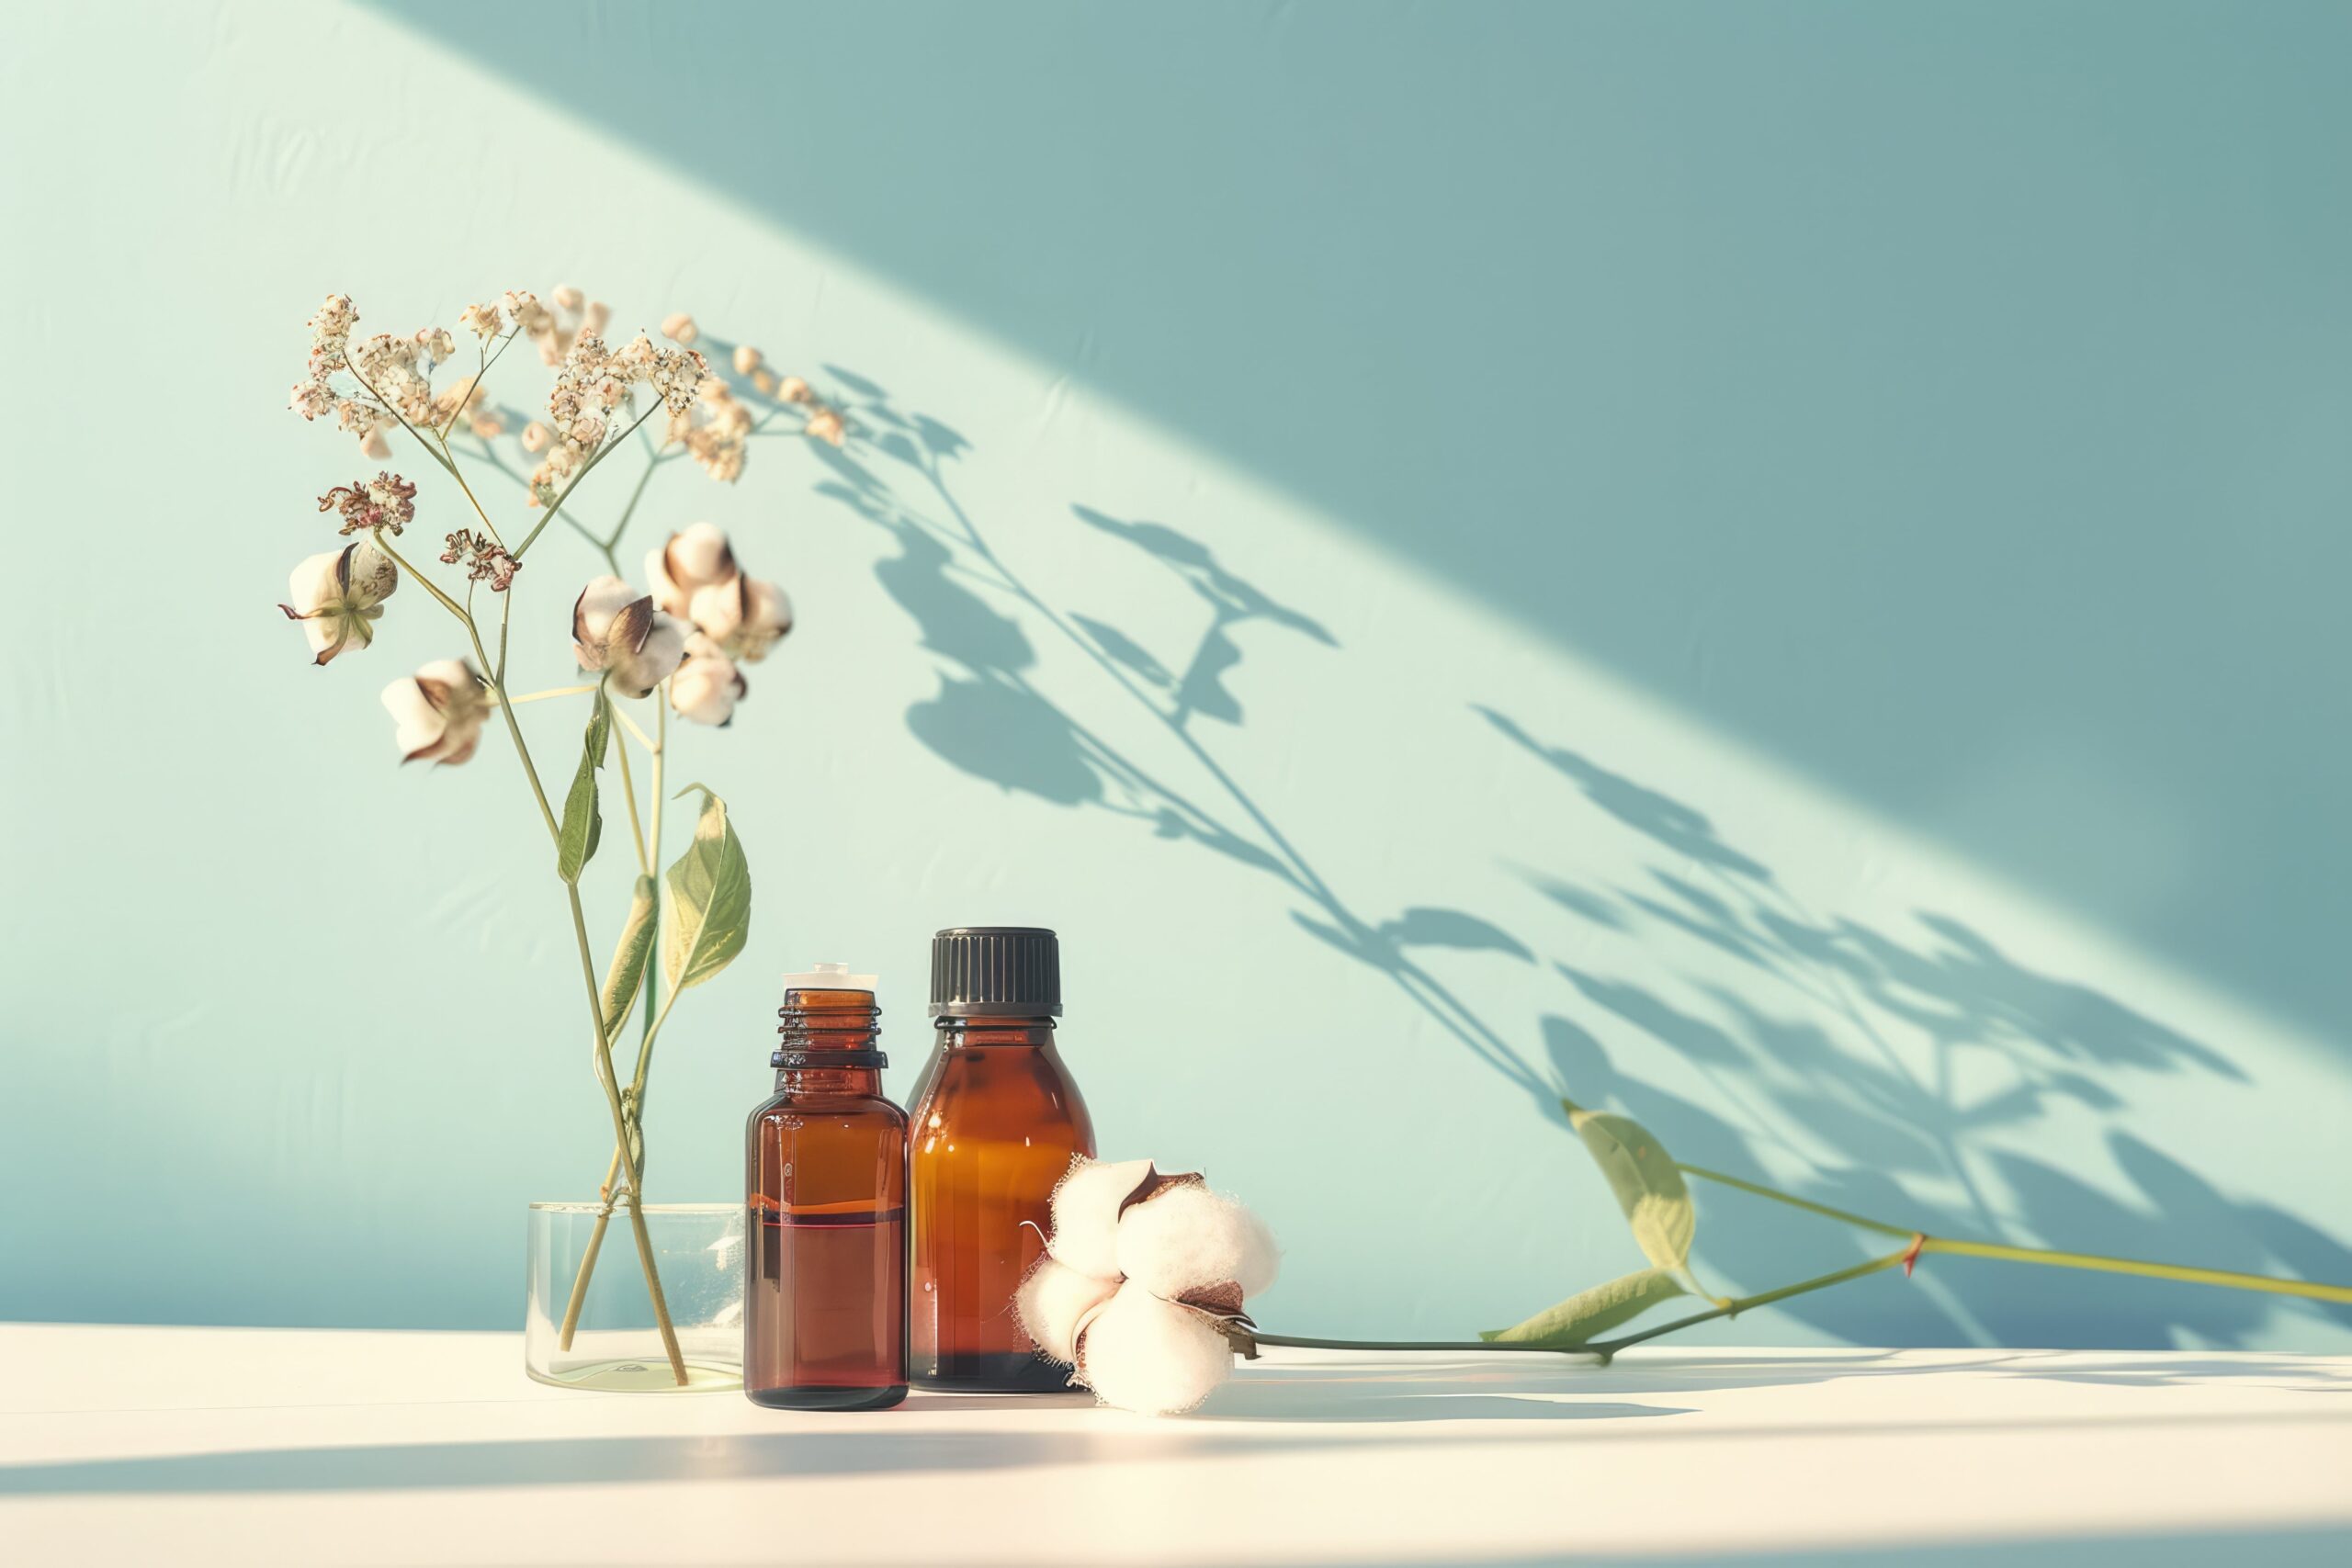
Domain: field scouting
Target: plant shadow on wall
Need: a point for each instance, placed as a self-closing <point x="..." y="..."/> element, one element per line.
<point x="1864" y="1059"/>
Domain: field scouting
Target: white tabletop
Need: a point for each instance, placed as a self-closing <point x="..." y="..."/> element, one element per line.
<point x="187" y="1445"/>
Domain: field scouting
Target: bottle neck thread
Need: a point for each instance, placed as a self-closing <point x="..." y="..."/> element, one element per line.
<point x="829" y="1032"/>
<point x="955" y="1033"/>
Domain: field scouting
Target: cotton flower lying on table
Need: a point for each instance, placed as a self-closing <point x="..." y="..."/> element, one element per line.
<point x="1141" y="1289"/>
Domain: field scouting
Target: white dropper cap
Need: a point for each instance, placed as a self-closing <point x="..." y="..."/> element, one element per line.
<point x="829" y="978"/>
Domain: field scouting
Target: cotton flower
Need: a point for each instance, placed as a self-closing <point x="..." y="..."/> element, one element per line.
<point x="680" y="328"/>
<point x="338" y="596"/>
<point x="439" y="711"/>
<point x="695" y="577"/>
<point x="696" y="558"/>
<point x="827" y="426"/>
<point x="745" y="617"/>
<point x="707" y="686"/>
<point x="1142" y="1287"/>
<point x="617" y="629"/>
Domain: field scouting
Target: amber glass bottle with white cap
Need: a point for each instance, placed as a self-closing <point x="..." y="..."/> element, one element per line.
<point x="825" y="1178"/>
<point x="997" y="1120"/>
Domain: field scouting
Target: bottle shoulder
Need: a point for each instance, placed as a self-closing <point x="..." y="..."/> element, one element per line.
<point x="865" y="1107"/>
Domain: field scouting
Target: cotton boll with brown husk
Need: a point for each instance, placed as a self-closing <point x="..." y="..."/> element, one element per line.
<point x="1086" y="1208"/>
<point x="618" y="630"/>
<point x="1054" y="1300"/>
<point x="1153" y="1357"/>
<point x="1188" y="1238"/>
<point x="439" y="711"/>
<point x="696" y="557"/>
<point x="707" y="686"/>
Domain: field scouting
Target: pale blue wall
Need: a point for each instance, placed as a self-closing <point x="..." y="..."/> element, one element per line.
<point x="1775" y="566"/>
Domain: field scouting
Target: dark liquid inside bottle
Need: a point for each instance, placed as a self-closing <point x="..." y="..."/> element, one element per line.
<point x="825" y="1292"/>
<point x="997" y="1120"/>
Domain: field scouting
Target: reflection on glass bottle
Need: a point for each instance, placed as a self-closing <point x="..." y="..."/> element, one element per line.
<point x="996" y="1120"/>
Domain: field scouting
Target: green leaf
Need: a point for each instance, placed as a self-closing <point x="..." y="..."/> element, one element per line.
<point x="1587" y="1313"/>
<point x="583" y="825"/>
<point x="630" y="955"/>
<point x="1642" y="1174"/>
<point x="710" y="899"/>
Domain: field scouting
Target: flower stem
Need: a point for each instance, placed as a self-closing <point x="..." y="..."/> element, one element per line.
<point x="629" y="793"/>
<point x="2226" y="1277"/>
<point x="585" y="469"/>
<point x="595" y="1018"/>
<point x="1795" y="1203"/>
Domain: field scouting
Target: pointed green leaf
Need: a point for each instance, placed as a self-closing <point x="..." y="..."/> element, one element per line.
<point x="1588" y="1313"/>
<point x="1642" y="1174"/>
<point x="582" y="824"/>
<point x="630" y="954"/>
<point x="710" y="899"/>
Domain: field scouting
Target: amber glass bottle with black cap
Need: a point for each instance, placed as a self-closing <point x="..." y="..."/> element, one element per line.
<point x="825" y="1287"/>
<point x="996" y="1120"/>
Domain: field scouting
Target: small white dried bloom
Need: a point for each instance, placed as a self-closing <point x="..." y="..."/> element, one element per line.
<point x="439" y="712"/>
<point x="793" y="390"/>
<point x="482" y="321"/>
<point x="764" y="381"/>
<point x="487" y="424"/>
<point x="436" y="343"/>
<point x="567" y="297"/>
<point x="617" y="629"/>
<point x="338" y="595"/>
<point x="827" y="426"/>
<point x="312" y="399"/>
<point x="680" y="328"/>
<point x="747" y="359"/>
<point x="373" y="446"/>
<point x="537" y="436"/>
<point x="707" y="686"/>
<point x="596" y="318"/>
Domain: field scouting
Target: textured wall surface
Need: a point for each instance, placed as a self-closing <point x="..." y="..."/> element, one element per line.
<point x="1776" y="568"/>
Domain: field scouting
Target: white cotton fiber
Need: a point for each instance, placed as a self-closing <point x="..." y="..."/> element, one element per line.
<point x="1189" y="1238"/>
<point x="1086" y="1213"/>
<point x="1151" y="1357"/>
<point x="1051" y="1303"/>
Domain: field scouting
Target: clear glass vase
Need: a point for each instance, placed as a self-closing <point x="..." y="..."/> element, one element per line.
<point x="613" y="1343"/>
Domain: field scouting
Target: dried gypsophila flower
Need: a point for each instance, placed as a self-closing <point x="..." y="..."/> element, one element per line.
<point x="439" y="712"/>
<point x="485" y="560"/>
<point x="716" y="431"/>
<point x="338" y="596"/>
<point x="387" y="502"/>
<point x="1142" y="1289"/>
<point x="482" y="321"/>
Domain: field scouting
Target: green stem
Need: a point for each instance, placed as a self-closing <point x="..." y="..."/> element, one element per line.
<point x="653" y="1020"/>
<point x="2226" y="1277"/>
<point x="629" y="793"/>
<point x="595" y="1014"/>
<point x="1778" y="1197"/>
<point x="586" y="469"/>
<point x="1605" y="1348"/>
